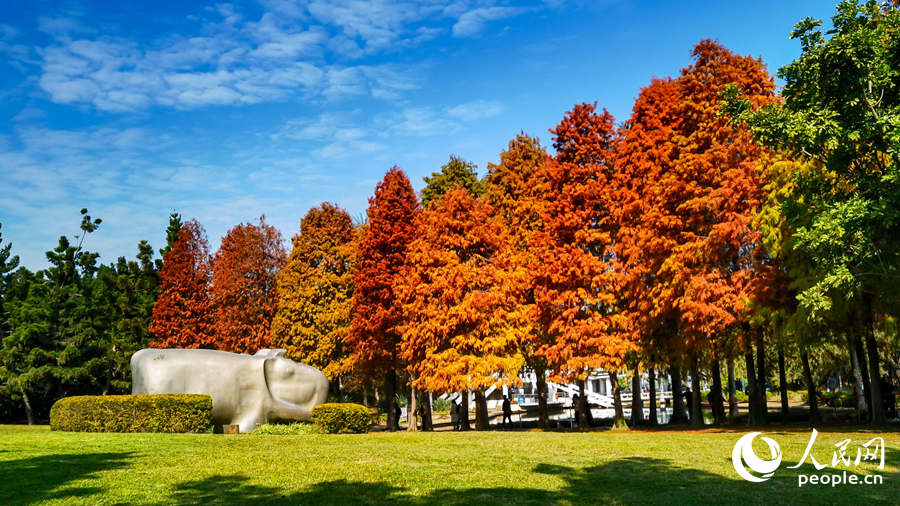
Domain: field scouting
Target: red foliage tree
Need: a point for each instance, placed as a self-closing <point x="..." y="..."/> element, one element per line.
<point x="374" y="331"/>
<point x="647" y="228"/>
<point x="576" y="283"/>
<point x="716" y="192"/>
<point x="690" y="187"/>
<point x="182" y="317"/>
<point x="243" y="289"/>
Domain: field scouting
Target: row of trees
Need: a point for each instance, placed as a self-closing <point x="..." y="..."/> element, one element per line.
<point x="71" y="328"/>
<point x="719" y="222"/>
<point x="630" y="246"/>
<point x="226" y="301"/>
<point x="697" y="233"/>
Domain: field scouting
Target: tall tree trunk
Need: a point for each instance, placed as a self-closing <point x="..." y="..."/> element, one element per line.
<point x="580" y="412"/>
<point x="29" y="413"/>
<point x="862" y="414"/>
<point x="543" y="415"/>
<point x="782" y="387"/>
<point x="481" y="421"/>
<point x="390" y="390"/>
<point x="761" y="376"/>
<point x="637" y="403"/>
<point x="340" y="390"/>
<point x="619" y="421"/>
<point x="427" y="422"/>
<point x="753" y="417"/>
<point x="810" y="390"/>
<point x="864" y="372"/>
<point x="464" y="418"/>
<point x="365" y="394"/>
<point x="717" y="402"/>
<point x="732" y="395"/>
<point x="879" y="417"/>
<point x="651" y="373"/>
<point x="412" y="422"/>
<point x="696" y="407"/>
<point x="678" y="413"/>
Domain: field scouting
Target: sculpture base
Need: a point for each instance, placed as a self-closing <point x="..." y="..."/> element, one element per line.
<point x="226" y="429"/>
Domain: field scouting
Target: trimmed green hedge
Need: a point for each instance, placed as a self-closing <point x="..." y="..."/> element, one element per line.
<point x="133" y="413"/>
<point x="339" y="418"/>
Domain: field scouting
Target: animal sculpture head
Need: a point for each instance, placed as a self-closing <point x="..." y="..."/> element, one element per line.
<point x="291" y="384"/>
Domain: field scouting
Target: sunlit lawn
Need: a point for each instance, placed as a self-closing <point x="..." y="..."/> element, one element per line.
<point x="637" y="467"/>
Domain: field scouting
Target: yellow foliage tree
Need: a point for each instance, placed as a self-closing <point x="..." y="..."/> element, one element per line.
<point x="315" y="290"/>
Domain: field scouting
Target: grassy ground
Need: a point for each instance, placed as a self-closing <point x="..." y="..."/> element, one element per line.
<point x="517" y="467"/>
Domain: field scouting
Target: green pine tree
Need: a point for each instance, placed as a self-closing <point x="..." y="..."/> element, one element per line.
<point x="456" y="172"/>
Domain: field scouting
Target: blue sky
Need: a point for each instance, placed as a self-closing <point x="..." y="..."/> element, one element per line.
<point x="227" y="111"/>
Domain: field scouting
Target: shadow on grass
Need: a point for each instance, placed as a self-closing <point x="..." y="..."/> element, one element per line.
<point x="38" y="479"/>
<point x="234" y="489"/>
<point x="634" y="480"/>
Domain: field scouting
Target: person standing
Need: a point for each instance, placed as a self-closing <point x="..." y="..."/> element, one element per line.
<point x="888" y="398"/>
<point x="507" y="412"/>
<point x="688" y="398"/>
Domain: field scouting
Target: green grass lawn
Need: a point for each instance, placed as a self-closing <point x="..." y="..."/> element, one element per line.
<point x="636" y="467"/>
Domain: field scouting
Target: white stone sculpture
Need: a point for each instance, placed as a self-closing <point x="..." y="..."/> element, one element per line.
<point x="246" y="390"/>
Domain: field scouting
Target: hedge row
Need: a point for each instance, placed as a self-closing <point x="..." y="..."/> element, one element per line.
<point x="346" y="418"/>
<point x="133" y="413"/>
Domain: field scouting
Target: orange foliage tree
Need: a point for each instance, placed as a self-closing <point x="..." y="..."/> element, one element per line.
<point x="513" y="188"/>
<point x="182" y="317"/>
<point x="693" y="187"/>
<point x="576" y="283"/>
<point x="243" y="289"/>
<point x="315" y="290"/>
<point x="461" y="325"/>
<point x="374" y="331"/>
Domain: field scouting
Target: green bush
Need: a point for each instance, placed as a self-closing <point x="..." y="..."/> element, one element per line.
<point x="839" y="399"/>
<point x="288" y="429"/>
<point x="342" y="418"/>
<point x="439" y="405"/>
<point x="133" y="413"/>
<point x="797" y="395"/>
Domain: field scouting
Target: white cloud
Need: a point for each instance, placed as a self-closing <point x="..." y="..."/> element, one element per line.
<point x="293" y="49"/>
<point x="19" y="56"/>
<point x="378" y="23"/>
<point x="476" y="110"/>
<point x="322" y="127"/>
<point x="288" y="8"/>
<point x="115" y="75"/>
<point x="340" y="135"/>
<point x="473" y="22"/>
<point x="63" y="25"/>
<point x="247" y="63"/>
<point x="132" y="178"/>
<point x="420" y="121"/>
<point x="344" y="149"/>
